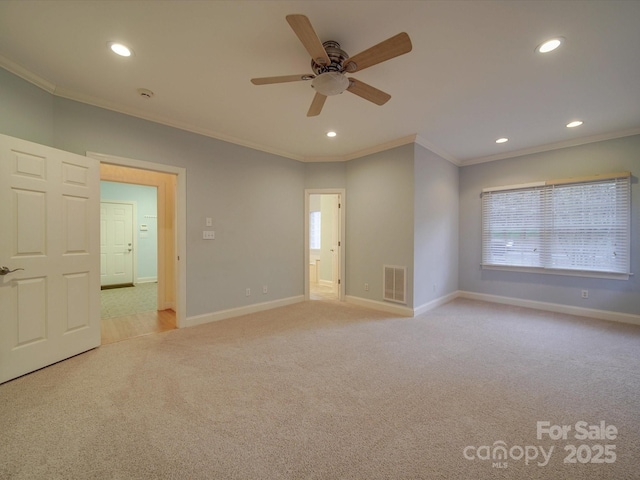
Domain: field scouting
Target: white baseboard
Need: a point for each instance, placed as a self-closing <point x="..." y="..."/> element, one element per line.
<point x="409" y="312"/>
<point x="382" y="306"/>
<point x="554" y="307"/>
<point x="435" y="303"/>
<point x="147" y="279"/>
<point x="239" y="311"/>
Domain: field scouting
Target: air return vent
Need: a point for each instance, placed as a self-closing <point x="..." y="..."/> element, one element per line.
<point x="395" y="282"/>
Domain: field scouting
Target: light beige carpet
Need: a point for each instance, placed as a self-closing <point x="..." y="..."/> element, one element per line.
<point x="320" y="390"/>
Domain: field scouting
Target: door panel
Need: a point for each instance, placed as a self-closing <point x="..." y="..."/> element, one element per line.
<point x="51" y="309"/>
<point x="76" y="224"/>
<point x="29" y="222"/>
<point x="31" y="312"/>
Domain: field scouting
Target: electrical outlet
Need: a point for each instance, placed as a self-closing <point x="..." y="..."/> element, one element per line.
<point x="265" y="290"/>
<point x="208" y="235"/>
<point x="366" y="287"/>
<point x="585" y="293"/>
<point x="248" y="292"/>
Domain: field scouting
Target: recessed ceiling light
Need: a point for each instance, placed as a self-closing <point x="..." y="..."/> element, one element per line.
<point x="502" y="140"/>
<point x="331" y="134"/>
<point x="575" y="123"/>
<point x="550" y="45"/>
<point x="120" y="49"/>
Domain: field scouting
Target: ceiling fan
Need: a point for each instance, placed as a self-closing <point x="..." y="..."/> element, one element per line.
<point x="330" y="64"/>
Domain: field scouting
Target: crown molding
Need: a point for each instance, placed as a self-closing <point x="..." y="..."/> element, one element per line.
<point x="423" y="142"/>
<point x="27" y="75"/>
<point x="53" y="89"/>
<point x="554" y="146"/>
<point x="87" y="99"/>
<point x="398" y="142"/>
<point x="96" y="102"/>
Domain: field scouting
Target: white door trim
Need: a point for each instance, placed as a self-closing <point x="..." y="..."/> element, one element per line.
<point x="181" y="221"/>
<point x="341" y="192"/>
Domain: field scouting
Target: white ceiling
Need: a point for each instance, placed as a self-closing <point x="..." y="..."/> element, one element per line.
<point x="472" y="77"/>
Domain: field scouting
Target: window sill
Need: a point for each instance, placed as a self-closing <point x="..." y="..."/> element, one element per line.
<point x="557" y="271"/>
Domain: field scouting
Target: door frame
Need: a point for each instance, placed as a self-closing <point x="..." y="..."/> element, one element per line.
<point x="134" y="237"/>
<point x="341" y="192"/>
<point x="180" y="260"/>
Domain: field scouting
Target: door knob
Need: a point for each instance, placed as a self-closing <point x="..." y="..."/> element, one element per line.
<point x="5" y="270"/>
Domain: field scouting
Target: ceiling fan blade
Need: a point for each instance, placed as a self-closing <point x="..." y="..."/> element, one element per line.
<point x="368" y="92"/>
<point x="282" y="79"/>
<point x="390" y="48"/>
<point x="307" y="35"/>
<point x="316" y="105"/>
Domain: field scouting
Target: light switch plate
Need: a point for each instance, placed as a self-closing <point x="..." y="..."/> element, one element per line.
<point x="208" y="235"/>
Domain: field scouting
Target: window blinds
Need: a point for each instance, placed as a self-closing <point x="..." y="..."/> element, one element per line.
<point x="580" y="225"/>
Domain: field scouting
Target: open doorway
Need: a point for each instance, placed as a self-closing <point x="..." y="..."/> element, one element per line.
<point x="129" y="262"/>
<point x="154" y="297"/>
<point x="324" y="244"/>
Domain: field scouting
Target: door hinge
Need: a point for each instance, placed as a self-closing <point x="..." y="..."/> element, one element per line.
<point x="339" y="205"/>
<point x="338" y="281"/>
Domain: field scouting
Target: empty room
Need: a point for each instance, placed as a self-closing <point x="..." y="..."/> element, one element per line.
<point x="362" y="239"/>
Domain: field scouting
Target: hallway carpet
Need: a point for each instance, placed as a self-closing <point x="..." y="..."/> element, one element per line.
<point x="119" y="302"/>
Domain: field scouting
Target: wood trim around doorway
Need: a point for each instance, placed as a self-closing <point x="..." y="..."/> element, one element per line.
<point x="166" y="185"/>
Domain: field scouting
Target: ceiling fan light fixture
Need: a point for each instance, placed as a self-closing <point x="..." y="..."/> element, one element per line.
<point x="330" y="83"/>
<point x="502" y="140"/>
<point x="575" y="123"/>
<point x="331" y="134"/>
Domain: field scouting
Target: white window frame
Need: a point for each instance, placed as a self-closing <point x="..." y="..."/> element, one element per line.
<point x="542" y="227"/>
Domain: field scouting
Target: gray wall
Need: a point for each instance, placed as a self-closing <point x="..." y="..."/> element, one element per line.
<point x="379" y="220"/>
<point x="325" y="175"/>
<point x="435" y="227"/>
<point x="401" y="208"/>
<point x="26" y="111"/>
<point x="621" y="154"/>
<point x="254" y="198"/>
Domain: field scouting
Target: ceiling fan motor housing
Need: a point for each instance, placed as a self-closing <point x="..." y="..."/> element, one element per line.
<point x="330" y="80"/>
<point x="335" y="54"/>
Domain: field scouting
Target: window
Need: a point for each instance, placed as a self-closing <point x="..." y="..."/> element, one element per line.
<point x="562" y="226"/>
<point x="314" y="230"/>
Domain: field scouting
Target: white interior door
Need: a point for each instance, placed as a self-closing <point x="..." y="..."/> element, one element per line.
<point x="49" y="205"/>
<point x="116" y="243"/>
<point x="331" y="203"/>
